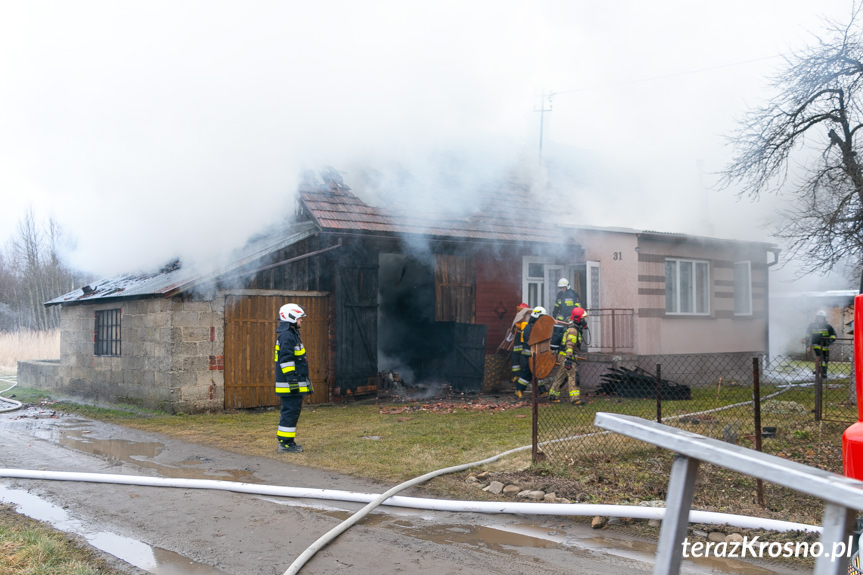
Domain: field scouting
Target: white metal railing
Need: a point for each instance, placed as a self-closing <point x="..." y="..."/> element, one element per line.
<point x="842" y="496"/>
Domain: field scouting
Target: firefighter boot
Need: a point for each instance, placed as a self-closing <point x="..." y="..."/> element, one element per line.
<point x="290" y="448"/>
<point x="575" y="397"/>
<point x="554" y="396"/>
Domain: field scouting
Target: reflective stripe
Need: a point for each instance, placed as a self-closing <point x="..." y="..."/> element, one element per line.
<point x="290" y="432"/>
<point x="293" y="387"/>
<point x="300" y="350"/>
<point x="287" y="367"/>
<point x="276" y="355"/>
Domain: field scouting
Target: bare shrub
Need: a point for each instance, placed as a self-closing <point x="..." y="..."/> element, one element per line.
<point x="25" y="344"/>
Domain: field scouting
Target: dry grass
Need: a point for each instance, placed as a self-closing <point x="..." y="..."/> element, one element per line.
<point x="20" y="345"/>
<point x="30" y="547"/>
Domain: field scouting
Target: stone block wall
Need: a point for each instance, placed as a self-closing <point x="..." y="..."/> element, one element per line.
<point x="171" y="356"/>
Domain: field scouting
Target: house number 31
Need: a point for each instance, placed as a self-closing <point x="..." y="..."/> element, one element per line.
<point x="618" y="256"/>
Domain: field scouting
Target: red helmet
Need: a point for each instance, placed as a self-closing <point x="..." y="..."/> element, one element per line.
<point x="522" y="305"/>
<point x="577" y="313"/>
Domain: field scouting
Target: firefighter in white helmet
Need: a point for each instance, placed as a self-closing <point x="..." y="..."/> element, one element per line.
<point x="524" y="375"/>
<point x="566" y="300"/>
<point x="292" y="375"/>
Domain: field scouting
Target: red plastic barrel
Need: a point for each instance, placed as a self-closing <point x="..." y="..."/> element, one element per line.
<point x="852" y="439"/>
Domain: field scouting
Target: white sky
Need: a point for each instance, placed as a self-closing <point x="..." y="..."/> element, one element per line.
<point x="154" y="129"/>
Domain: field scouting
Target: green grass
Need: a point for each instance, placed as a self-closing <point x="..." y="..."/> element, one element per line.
<point x="394" y="442"/>
<point x="363" y="440"/>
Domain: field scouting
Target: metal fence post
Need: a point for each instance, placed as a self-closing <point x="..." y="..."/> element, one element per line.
<point x="819" y="381"/>
<point x="756" y="409"/>
<point x="534" y="452"/>
<point x="658" y="393"/>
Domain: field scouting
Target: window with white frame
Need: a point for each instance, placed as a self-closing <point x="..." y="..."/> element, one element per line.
<point x="742" y="288"/>
<point x="687" y="287"/>
<point x="534" y="280"/>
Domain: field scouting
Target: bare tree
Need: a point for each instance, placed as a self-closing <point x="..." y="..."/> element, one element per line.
<point x="31" y="273"/>
<point x="805" y="143"/>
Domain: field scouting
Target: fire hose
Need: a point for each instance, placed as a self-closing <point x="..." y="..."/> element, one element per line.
<point x="390" y="498"/>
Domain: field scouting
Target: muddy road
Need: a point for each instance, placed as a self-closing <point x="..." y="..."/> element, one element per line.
<point x="167" y="531"/>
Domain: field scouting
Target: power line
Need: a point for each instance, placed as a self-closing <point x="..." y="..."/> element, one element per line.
<point x="666" y="76"/>
<point x="546" y="97"/>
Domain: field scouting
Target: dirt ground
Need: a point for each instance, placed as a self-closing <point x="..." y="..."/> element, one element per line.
<point x="205" y="532"/>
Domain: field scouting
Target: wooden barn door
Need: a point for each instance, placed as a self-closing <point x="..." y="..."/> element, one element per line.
<point x="357" y="333"/>
<point x="455" y="288"/>
<point x="250" y="337"/>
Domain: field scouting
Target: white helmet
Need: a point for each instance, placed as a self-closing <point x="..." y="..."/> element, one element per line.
<point x="821" y="314"/>
<point x="291" y="312"/>
<point x="563" y="282"/>
<point x="538" y="311"/>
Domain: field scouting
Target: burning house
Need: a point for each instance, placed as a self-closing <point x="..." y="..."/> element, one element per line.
<point x="428" y="295"/>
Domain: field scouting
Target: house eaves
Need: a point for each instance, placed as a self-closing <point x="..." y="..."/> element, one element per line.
<point x="174" y="279"/>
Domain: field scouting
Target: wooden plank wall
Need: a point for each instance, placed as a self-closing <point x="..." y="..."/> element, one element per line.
<point x="250" y="335"/>
<point x="455" y="288"/>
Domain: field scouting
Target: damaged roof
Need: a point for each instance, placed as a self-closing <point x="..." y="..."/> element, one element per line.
<point x="505" y="216"/>
<point x="174" y="278"/>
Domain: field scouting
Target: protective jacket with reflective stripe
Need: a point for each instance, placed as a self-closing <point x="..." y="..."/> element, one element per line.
<point x="566" y="301"/>
<point x="292" y="367"/>
<point x="821" y="335"/>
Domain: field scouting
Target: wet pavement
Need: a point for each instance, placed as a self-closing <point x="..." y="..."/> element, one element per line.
<point x="167" y="531"/>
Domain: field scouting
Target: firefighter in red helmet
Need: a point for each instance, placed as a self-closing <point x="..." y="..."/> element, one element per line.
<point x="567" y="360"/>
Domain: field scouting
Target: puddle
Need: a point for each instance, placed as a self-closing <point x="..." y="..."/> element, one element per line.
<point x="480" y="535"/>
<point x="710" y="564"/>
<point x="155" y="560"/>
<point x="73" y="433"/>
<point x="142" y="454"/>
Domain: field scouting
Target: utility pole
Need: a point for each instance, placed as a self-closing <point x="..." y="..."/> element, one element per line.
<point x="546" y="99"/>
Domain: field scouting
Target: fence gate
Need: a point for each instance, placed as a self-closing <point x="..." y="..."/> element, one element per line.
<point x="250" y="332"/>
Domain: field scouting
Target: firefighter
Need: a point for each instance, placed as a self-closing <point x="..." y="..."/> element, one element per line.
<point x="516" y="330"/>
<point x="578" y="318"/>
<point x="292" y="375"/>
<point x="524" y="376"/>
<point x="567" y="361"/>
<point x="819" y="336"/>
<point x="566" y="300"/>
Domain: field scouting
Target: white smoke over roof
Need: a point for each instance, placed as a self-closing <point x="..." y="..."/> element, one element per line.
<point x="178" y="129"/>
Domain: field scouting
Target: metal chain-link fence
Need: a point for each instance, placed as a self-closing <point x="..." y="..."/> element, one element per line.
<point x="711" y="395"/>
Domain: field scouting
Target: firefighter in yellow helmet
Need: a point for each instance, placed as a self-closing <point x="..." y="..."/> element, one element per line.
<point x="518" y="359"/>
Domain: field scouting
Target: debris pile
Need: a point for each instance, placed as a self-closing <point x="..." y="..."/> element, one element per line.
<point x="638" y="383"/>
<point x="465" y="403"/>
